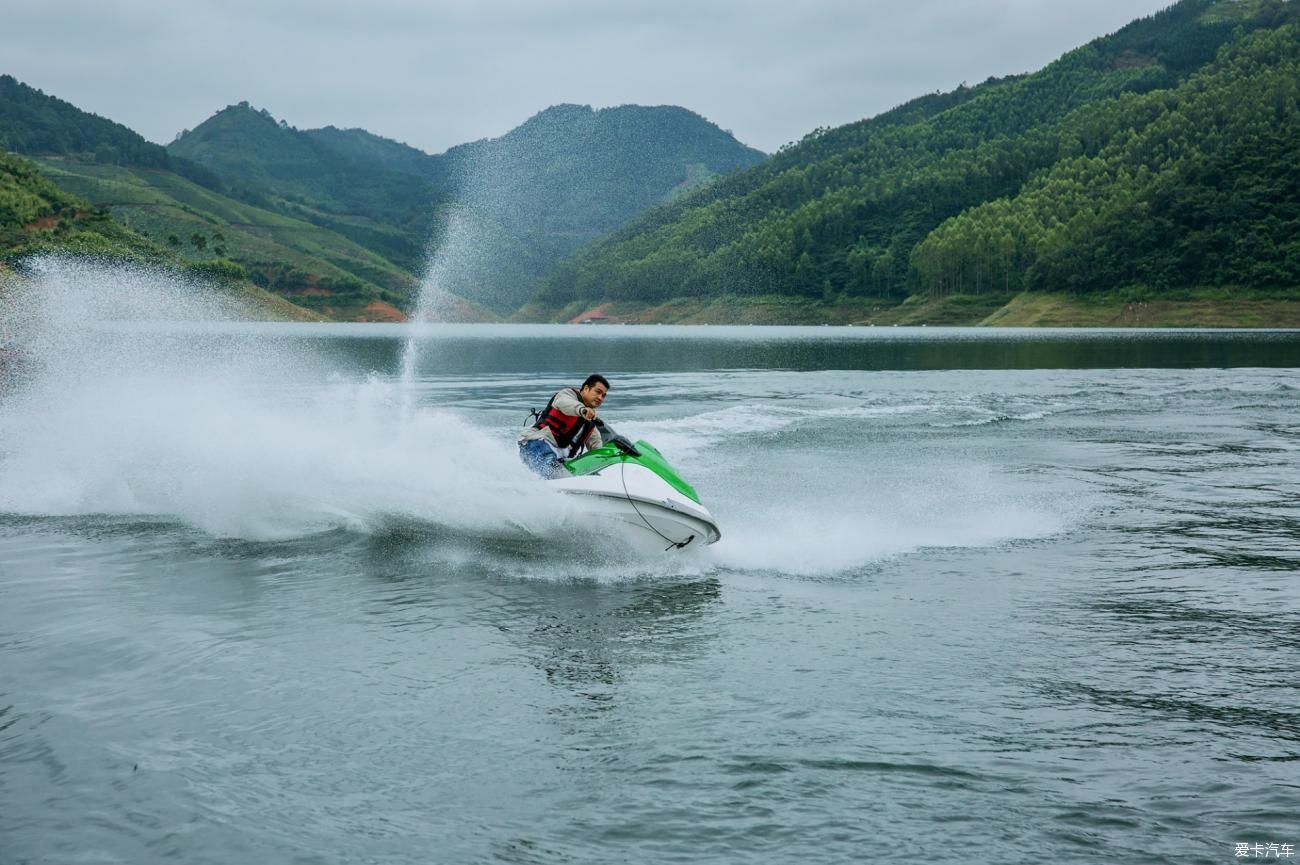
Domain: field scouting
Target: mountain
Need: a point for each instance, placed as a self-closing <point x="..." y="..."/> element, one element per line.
<point x="1194" y="186"/>
<point x="195" y="215"/>
<point x="311" y="266"/>
<point x="301" y="175"/>
<point x="568" y="175"/>
<point x="517" y="204"/>
<point x="366" y="148"/>
<point x="33" y="123"/>
<point x="1106" y="169"/>
<point x="37" y="217"/>
<point x="342" y="219"/>
<point x="579" y="170"/>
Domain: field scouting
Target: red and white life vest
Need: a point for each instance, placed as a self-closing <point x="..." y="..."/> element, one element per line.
<point x="570" y="431"/>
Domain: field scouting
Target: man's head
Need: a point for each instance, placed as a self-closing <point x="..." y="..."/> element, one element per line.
<point x="593" y="391"/>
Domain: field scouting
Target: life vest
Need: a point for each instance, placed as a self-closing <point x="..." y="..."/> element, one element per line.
<point x="569" y="430"/>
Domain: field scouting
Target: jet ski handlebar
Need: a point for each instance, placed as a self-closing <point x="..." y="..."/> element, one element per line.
<point x="625" y="446"/>
<point x="617" y="440"/>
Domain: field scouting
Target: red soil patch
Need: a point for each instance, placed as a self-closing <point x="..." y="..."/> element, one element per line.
<point x="596" y="315"/>
<point x="45" y="223"/>
<point x="377" y="310"/>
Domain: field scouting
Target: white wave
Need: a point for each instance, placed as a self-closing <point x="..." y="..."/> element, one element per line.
<point x="261" y="440"/>
<point x="240" y="440"/>
<point x="711" y="428"/>
<point x="991" y="417"/>
<point x="833" y="524"/>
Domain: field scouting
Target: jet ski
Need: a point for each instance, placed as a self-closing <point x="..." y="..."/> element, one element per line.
<point x="632" y="482"/>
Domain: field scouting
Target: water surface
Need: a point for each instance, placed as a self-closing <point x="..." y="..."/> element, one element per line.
<point x="1001" y="596"/>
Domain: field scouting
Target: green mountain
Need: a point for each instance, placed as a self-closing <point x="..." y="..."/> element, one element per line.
<point x="568" y="175"/>
<point x="195" y="215"/>
<point x="342" y="221"/>
<point x="365" y="148"/>
<point x="36" y="124"/>
<point x="1114" y="166"/>
<point x="1194" y="186"/>
<point x="309" y="265"/>
<point x="38" y="217"/>
<point x="521" y="202"/>
<point x="387" y="211"/>
<point x="33" y="123"/>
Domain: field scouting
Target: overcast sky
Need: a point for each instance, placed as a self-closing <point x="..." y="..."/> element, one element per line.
<point x="434" y="74"/>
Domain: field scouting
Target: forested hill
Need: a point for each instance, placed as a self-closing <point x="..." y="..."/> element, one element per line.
<point x="195" y="217"/>
<point x="597" y="166"/>
<point x="36" y="217"/>
<point x="1160" y="157"/>
<point x="570" y="174"/>
<point x="1191" y="187"/>
<point x="366" y="148"/>
<point x="342" y="219"/>
<point x="528" y="198"/>
<point x="34" y="123"/>
<point x="302" y="175"/>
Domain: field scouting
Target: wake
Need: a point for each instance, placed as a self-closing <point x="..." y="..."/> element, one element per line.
<point x="123" y="412"/>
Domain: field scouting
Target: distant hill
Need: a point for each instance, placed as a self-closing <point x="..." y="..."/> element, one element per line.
<point x="1159" y="158"/>
<point x="366" y="148"/>
<point x="37" y="217"/>
<point x="573" y="168"/>
<point x="195" y="215"/>
<point x="309" y="265"/>
<point x="529" y="198"/>
<point x="302" y="175"/>
<point x="342" y="219"/>
<point x="571" y="174"/>
<point x="33" y="123"/>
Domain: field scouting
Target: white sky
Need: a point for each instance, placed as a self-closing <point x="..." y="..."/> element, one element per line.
<point x="434" y="74"/>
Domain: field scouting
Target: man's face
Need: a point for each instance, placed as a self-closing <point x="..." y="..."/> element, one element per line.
<point x="593" y="395"/>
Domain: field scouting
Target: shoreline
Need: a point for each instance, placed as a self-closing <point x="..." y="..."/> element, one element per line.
<point x="1027" y="309"/>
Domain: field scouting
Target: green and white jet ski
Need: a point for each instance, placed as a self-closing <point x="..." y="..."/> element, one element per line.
<point x="635" y="484"/>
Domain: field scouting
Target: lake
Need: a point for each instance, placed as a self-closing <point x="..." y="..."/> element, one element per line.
<point x="982" y="596"/>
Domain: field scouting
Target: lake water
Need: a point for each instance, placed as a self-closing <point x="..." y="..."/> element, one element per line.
<point x="981" y="597"/>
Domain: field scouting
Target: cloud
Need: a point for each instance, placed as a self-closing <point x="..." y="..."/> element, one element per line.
<point x="436" y="74"/>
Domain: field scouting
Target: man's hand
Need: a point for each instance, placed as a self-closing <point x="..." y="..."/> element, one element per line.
<point x="587" y="413"/>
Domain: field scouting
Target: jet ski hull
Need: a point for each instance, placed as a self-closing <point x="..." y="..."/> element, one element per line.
<point x="642" y="490"/>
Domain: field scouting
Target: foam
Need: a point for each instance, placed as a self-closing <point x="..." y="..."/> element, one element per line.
<point x="239" y="439"/>
<point x="123" y="412"/>
<point x="860" y="522"/>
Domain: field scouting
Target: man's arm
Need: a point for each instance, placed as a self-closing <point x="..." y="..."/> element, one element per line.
<point x="570" y="403"/>
<point x="567" y="401"/>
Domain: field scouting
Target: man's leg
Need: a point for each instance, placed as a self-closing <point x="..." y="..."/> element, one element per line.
<point x="538" y="456"/>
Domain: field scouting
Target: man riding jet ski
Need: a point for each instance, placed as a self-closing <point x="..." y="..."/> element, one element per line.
<point x="629" y="482"/>
<point x="565" y="428"/>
